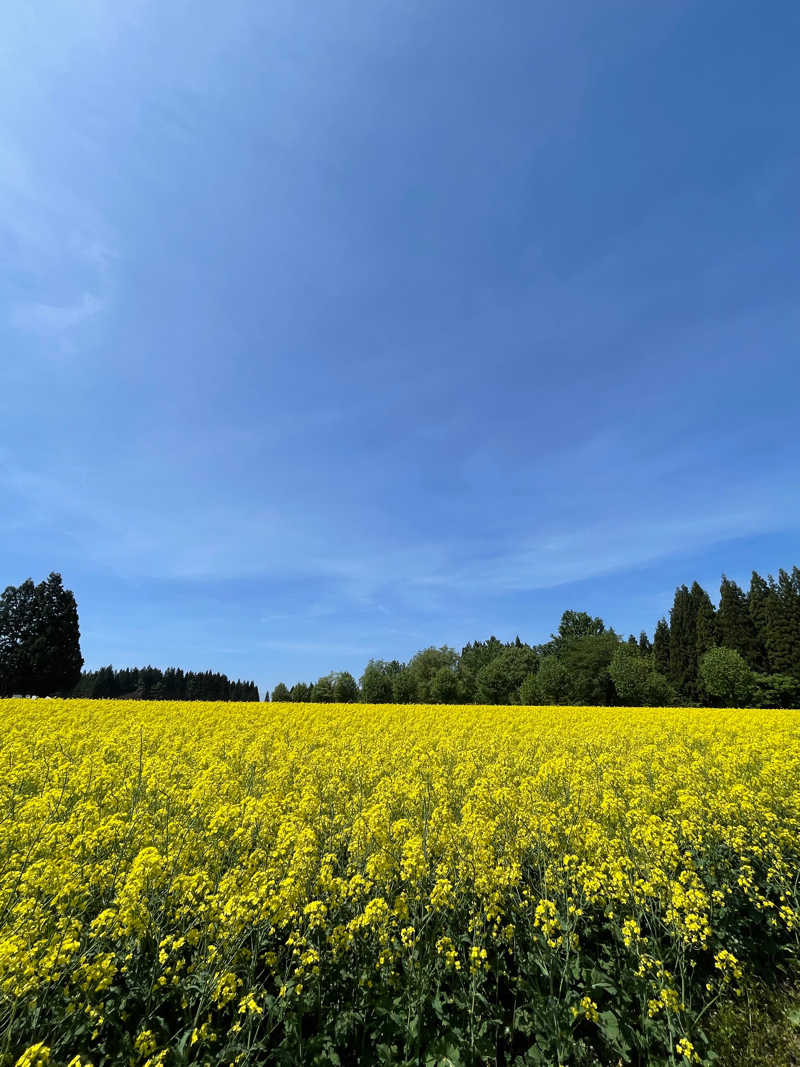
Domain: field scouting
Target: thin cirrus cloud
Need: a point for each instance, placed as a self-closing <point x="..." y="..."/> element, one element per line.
<point x="54" y="319"/>
<point x="599" y="549"/>
<point x="60" y="248"/>
<point x="212" y="544"/>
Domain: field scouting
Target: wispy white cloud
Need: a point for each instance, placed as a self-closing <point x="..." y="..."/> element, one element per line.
<point x="57" y="244"/>
<point x="597" y="549"/>
<point x="54" y="319"/>
<point x="206" y="541"/>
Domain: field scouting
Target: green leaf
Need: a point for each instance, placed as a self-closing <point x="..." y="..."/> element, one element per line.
<point x="609" y="1028"/>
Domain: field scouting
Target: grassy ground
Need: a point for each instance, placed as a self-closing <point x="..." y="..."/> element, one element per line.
<point x="760" y="1029"/>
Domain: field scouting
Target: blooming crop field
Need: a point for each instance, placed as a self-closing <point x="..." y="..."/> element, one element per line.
<point x="323" y="884"/>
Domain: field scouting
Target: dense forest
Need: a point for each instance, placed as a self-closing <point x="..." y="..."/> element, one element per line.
<point x="743" y="652"/>
<point x="151" y="683"/>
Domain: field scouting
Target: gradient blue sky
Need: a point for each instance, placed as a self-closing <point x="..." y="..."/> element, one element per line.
<point x="337" y="330"/>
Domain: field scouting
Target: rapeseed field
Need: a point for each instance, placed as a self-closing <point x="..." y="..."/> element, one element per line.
<point x="324" y="884"/>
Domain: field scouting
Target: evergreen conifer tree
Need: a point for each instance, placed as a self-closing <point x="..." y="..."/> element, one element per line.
<point x="757" y="597"/>
<point x="661" y="647"/>
<point x="782" y="636"/>
<point x="683" y="643"/>
<point x="737" y="629"/>
<point x="39" y="639"/>
<point x="706" y="624"/>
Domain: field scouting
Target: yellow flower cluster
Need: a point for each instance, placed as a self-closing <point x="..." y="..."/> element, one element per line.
<point x="332" y="827"/>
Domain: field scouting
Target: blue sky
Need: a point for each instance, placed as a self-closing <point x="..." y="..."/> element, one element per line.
<point x="336" y="331"/>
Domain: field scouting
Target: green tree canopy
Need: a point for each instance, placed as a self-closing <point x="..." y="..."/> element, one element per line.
<point x="775" y="691"/>
<point x="323" y="690"/>
<point x="630" y="671"/>
<point x="301" y="693"/>
<point x="499" y="680"/>
<point x="586" y="661"/>
<point x="444" y="687"/>
<point x="376" y="683"/>
<point x="636" y="681"/>
<point x="725" y="677"/>
<point x="529" y="691"/>
<point x="575" y="625"/>
<point x="346" y="689"/>
<point x="404" y="687"/>
<point x="552" y="682"/>
<point x="424" y="665"/>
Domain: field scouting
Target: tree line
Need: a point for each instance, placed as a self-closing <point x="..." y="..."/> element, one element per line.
<point x="744" y="652"/>
<point x="151" y="683"/>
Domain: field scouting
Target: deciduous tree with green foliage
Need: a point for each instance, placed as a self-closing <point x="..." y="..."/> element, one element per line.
<point x="629" y="671"/>
<point x="423" y="666"/>
<point x="474" y="656"/>
<point x="499" y="680"/>
<point x="725" y="677"/>
<point x="528" y="691"/>
<point x="346" y="688"/>
<point x="376" y="683"/>
<point x="444" y="687"/>
<point x="636" y="681"/>
<point x="586" y="661"/>
<point x="323" y="690"/>
<point x="404" y="687"/>
<point x="552" y="682"/>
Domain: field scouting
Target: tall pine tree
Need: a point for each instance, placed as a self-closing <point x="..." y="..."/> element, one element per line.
<point x="706" y="624"/>
<point x="737" y="629"/>
<point x="661" y="647"/>
<point x="757" y="597"/>
<point x="782" y="612"/>
<point x="40" y="649"/>
<point x="683" y="643"/>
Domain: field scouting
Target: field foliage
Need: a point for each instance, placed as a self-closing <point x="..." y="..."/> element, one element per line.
<point x="217" y="883"/>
